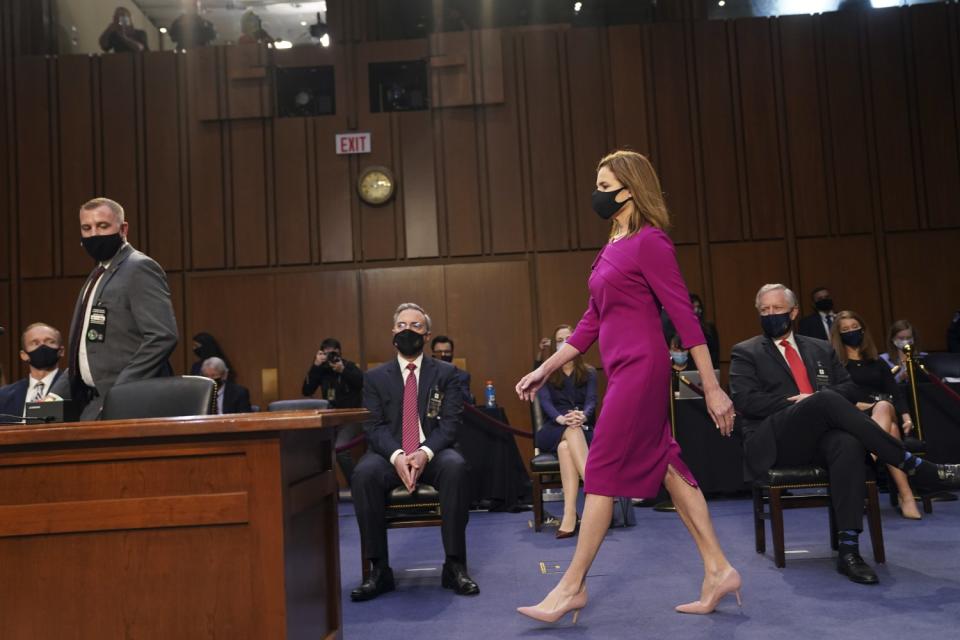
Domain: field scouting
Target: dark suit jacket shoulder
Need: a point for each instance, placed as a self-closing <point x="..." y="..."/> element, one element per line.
<point x="812" y="327"/>
<point x="236" y="398"/>
<point x="383" y="398"/>
<point x="13" y="396"/>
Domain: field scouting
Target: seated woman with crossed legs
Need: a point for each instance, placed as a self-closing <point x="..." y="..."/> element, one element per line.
<point x="882" y="397"/>
<point x="568" y="402"/>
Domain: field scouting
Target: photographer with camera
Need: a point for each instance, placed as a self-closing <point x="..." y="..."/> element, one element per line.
<point x="341" y="384"/>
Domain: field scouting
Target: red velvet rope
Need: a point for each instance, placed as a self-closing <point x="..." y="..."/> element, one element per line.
<point x="940" y="383"/>
<point x="469" y="408"/>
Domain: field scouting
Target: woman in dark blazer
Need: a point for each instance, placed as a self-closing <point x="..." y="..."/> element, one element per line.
<point x="882" y="398"/>
<point x="569" y="404"/>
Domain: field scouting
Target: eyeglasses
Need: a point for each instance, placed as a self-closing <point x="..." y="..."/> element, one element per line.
<point x="416" y="326"/>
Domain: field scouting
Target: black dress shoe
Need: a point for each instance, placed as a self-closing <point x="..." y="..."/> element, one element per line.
<point x="455" y="577"/>
<point x="949" y="476"/>
<point x="855" y="568"/>
<point x="379" y="581"/>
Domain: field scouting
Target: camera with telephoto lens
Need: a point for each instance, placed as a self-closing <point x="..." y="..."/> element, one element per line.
<point x="333" y="357"/>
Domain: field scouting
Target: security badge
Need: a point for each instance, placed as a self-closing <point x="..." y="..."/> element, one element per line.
<point x="97" y="325"/>
<point x="823" y="379"/>
<point x="433" y="406"/>
<point x="331" y="394"/>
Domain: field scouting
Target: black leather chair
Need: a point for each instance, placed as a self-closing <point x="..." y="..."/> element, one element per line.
<point x="410" y="510"/>
<point x="769" y="492"/>
<point x="160" y="398"/>
<point x="544" y="468"/>
<point x="299" y="403"/>
<point x="943" y="364"/>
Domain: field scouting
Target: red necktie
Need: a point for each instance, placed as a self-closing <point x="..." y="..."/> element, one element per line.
<point x="796" y="367"/>
<point x="411" y="414"/>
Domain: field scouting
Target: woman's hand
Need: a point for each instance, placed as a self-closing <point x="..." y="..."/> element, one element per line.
<point x="907" y="425"/>
<point x="721" y="410"/>
<point x="530" y="384"/>
<point x="863" y="406"/>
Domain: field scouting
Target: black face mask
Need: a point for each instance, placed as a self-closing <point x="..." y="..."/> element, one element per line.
<point x="824" y="304"/>
<point x="775" y="324"/>
<point x="44" y="357"/>
<point x="408" y="342"/>
<point x="852" y="338"/>
<point x="605" y="203"/>
<point x="446" y="358"/>
<point x="102" y="248"/>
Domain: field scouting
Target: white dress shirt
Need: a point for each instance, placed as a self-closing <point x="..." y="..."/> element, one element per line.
<point x="85" y="372"/>
<point x="47" y="381"/>
<point x="404" y="372"/>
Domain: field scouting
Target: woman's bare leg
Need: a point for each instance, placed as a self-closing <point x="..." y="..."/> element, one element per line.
<point x="885" y="415"/>
<point x="570" y="479"/>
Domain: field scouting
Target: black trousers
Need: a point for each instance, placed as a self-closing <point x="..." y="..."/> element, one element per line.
<point x="827" y="429"/>
<point x="374" y="477"/>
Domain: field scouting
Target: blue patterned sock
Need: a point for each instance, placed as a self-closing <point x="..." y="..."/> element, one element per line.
<point x="849" y="540"/>
<point x="910" y="461"/>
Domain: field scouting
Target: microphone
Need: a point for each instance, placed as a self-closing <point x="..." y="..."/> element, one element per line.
<point x="8" y="418"/>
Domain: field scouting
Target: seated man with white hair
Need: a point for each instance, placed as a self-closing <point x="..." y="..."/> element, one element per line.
<point x="795" y="405"/>
<point x="231" y="397"/>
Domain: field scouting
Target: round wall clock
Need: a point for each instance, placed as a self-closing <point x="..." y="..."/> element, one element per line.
<point x="375" y="185"/>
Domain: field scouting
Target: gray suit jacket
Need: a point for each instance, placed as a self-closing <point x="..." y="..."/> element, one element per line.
<point x="141" y="330"/>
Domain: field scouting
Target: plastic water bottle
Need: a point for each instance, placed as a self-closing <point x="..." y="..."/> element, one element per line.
<point x="491" y="395"/>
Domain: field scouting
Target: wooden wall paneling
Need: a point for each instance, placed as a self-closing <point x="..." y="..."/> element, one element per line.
<point x="247" y="82"/>
<point x="546" y="140"/>
<point x="77" y="176"/>
<point x="7" y="135"/>
<point x="248" y="180"/>
<point x="418" y="184"/>
<point x="759" y="121"/>
<point x="311" y="307"/>
<point x="162" y="124"/>
<point x="923" y="282"/>
<point x="936" y="104"/>
<point x="182" y="357"/>
<point x="848" y="267"/>
<point x="382" y="290"/>
<point x="452" y="68"/>
<point x="49" y="300"/>
<point x="892" y="131"/>
<point x="674" y="159"/>
<point x="561" y="295"/>
<point x="292" y="175"/>
<point x="336" y="193"/>
<point x="627" y="60"/>
<point x="718" y="146"/>
<point x="589" y="128"/>
<point x="205" y="81"/>
<point x="801" y="100"/>
<point x="502" y="161"/>
<point x="8" y="368"/>
<point x="848" y="125"/>
<point x="739" y="270"/>
<point x="207" y="226"/>
<point x="229" y="308"/>
<point x="460" y="172"/>
<point x="119" y="89"/>
<point x="690" y="261"/>
<point x="34" y="166"/>
<point x="484" y="322"/>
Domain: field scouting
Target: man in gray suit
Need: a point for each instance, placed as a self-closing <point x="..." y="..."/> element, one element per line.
<point x="123" y="326"/>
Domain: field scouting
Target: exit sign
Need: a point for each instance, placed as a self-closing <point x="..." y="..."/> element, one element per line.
<point x="350" y="143"/>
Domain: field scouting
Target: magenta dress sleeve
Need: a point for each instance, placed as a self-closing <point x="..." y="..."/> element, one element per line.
<point x="657" y="260"/>
<point x="587" y="329"/>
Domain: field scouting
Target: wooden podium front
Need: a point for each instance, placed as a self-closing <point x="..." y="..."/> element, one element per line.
<point x="175" y="528"/>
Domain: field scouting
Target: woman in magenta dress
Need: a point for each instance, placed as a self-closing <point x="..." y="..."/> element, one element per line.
<point x="632" y="451"/>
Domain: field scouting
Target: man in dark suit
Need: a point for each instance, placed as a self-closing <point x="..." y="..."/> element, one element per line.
<point x="442" y="348"/>
<point x="415" y="405"/>
<point x="123" y="326"/>
<point x="41" y="348"/>
<point x="796" y="405"/>
<point x="818" y="324"/>
<point x="231" y="397"/>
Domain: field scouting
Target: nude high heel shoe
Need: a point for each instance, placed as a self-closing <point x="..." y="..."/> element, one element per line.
<point x="575" y="603"/>
<point x="729" y="584"/>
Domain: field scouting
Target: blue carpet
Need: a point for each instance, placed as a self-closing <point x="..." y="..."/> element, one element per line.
<point x="643" y="571"/>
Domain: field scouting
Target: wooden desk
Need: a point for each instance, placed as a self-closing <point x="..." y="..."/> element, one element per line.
<point x="173" y="528"/>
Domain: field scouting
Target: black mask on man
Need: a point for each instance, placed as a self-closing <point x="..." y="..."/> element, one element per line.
<point x="775" y="324"/>
<point x="605" y="203"/>
<point x="408" y="342"/>
<point x="824" y="304"/>
<point x="44" y="357"/>
<point x="102" y="248"/>
<point x="446" y="358"/>
<point x="852" y="338"/>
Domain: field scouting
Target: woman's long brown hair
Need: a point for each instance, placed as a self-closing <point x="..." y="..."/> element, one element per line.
<point x="635" y="172"/>
<point x="868" y="348"/>
<point x="580" y="368"/>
